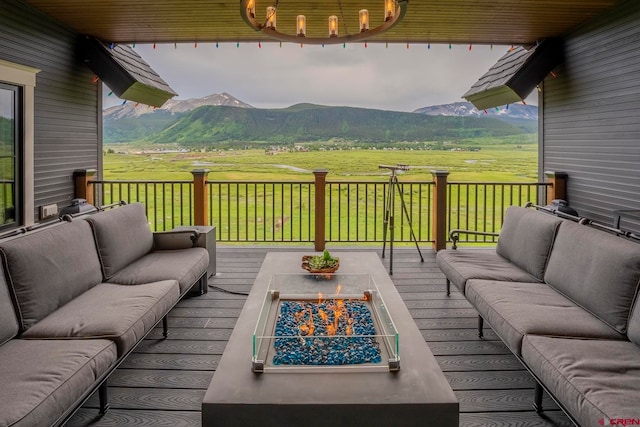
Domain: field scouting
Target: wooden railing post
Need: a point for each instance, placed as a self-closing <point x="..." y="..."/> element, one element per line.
<point x="200" y="197"/>
<point x="82" y="188"/>
<point x="558" y="188"/>
<point x="439" y="206"/>
<point x="320" y="183"/>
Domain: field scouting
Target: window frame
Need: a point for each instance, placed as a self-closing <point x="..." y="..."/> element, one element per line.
<point x="18" y="131"/>
<point x="24" y="77"/>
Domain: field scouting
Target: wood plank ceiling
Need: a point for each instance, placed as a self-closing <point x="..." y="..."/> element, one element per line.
<point x="427" y="21"/>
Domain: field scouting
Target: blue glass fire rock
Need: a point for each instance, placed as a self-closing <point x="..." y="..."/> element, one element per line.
<point x="344" y="346"/>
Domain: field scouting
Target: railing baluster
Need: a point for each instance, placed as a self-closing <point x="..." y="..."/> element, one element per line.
<point x="339" y="212"/>
<point x="164" y="206"/>
<point x="429" y="219"/>
<point x="311" y="237"/>
<point x="420" y="212"/>
<point x="282" y="219"/>
<point x="348" y="210"/>
<point x="273" y="212"/>
<point x="237" y="211"/>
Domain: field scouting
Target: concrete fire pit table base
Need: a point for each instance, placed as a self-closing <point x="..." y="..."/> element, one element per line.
<point x="417" y="395"/>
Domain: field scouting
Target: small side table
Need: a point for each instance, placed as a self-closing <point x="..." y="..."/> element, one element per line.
<point x="207" y="240"/>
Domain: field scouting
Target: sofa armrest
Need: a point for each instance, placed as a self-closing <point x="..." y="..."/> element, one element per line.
<point x="454" y="235"/>
<point x="174" y="239"/>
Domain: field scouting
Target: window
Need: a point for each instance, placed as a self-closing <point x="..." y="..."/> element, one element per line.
<point x="10" y="144"/>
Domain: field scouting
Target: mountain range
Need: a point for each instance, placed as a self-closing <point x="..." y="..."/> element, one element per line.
<point x="521" y="115"/>
<point x="172" y="106"/>
<point x="466" y="109"/>
<point x="223" y="118"/>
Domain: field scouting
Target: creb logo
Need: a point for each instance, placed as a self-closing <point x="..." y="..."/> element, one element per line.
<point x="619" y="422"/>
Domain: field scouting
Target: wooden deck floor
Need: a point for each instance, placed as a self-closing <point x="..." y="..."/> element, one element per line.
<point x="164" y="381"/>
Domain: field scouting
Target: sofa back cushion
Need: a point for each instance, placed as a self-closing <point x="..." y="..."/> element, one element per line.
<point x="597" y="270"/>
<point x="122" y="236"/>
<point x="634" y="323"/>
<point x="526" y="238"/>
<point x="8" y="320"/>
<point x="49" y="268"/>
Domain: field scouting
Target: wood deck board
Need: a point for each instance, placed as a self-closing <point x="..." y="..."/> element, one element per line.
<point x="158" y="378"/>
<point x="514" y="419"/>
<point x="479" y="380"/>
<point x="499" y="400"/>
<point x="442" y="348"/>
<point x="163" y="381"/>
<point x="87" y="416"/>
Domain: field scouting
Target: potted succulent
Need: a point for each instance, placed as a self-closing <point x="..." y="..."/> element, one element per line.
<point x="324" y="263"/>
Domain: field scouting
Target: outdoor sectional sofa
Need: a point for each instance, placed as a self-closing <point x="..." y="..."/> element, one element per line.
<point x="562" y="295"/>
<point x="76" y="298"/>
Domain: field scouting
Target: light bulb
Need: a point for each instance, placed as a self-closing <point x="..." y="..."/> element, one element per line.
<point x="364" y="20"/>
<point x="333" y="26"/>
<point x="301" y="25"/>
<point x="389" y="9"/>
<point x="271" y="17"/>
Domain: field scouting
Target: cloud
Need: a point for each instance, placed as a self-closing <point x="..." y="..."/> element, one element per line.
<point x="391" y="78"/>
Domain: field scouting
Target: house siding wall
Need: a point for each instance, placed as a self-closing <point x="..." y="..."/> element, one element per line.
<point x="591" y="120"/>
<point x="66" y="100"/>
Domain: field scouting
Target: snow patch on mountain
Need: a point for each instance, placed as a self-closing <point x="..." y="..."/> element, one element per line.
<point x="466" y="109"/>
<point x="172" y="106"/>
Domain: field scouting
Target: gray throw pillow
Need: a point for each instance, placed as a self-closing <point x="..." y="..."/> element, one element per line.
<point x="122" y="236"/>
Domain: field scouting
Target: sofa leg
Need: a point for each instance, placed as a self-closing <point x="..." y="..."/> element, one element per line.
<point x="204" y="284"/>
<point x="537" y="398"/>
<point x="480" y="326"/>
<point x="165" y="326"/>
<point x="104" y="398"/>
<point x="448" y="287"/>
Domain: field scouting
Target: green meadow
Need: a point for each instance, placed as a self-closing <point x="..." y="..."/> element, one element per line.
<point x="271" y="212"/>
<point x="504" y="159"/>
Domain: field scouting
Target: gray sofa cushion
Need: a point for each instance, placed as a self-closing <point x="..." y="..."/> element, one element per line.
<point x="516" y="309"/>
<point x="465" y="264"/>
<point x="594" y="379"/>
<point x="50" y="267"/>
<point x="185" y="265"/>
<point x="42" y="379"/>
<point x="634" y="323"/>
<point x="526" y="238"/>
<point x="122" y="236"/>
<point x="120" y="313"/>
<point x="597" y="270"/>
<point x="9" y="326"/>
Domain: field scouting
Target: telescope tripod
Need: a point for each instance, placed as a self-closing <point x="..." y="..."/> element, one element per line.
<point x="389" y="222"/>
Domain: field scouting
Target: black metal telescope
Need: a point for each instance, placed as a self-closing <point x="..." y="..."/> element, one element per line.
<point x="398" y="167"/>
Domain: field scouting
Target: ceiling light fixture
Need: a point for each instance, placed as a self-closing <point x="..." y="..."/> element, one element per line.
<point x="394" y="11"/>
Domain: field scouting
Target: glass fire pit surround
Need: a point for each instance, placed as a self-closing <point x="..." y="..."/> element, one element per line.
<point x="321" y="323"/>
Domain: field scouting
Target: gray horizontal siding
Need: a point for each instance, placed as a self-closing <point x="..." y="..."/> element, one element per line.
<point x="591" y="121"/>
<point x="66" y="99"/>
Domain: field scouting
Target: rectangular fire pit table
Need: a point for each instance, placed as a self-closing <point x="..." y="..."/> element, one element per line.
<point x="416" y="395"/>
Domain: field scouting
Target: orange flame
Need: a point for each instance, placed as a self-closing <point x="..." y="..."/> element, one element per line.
<point x="306" y="328"/>
<point x="340" y="315"/>
<point x="331" y="330"/>
<point x="310" y="324"/>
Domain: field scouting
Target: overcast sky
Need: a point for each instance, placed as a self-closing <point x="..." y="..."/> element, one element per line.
<point x="393" y="78"/>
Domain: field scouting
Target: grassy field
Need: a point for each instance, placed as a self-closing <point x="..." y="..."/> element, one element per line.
<point x="505" y="159"/>
<point x="284" y="212"/>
